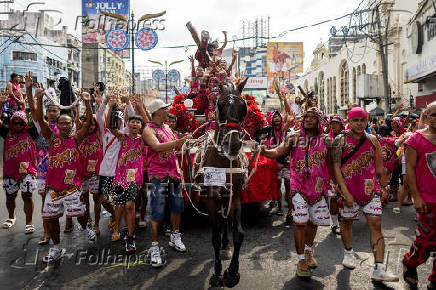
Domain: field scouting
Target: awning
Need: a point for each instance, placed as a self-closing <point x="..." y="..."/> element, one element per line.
<point x="377" y="112"/>
<point x="423" y="101"/>
<point x="422" y="78"/>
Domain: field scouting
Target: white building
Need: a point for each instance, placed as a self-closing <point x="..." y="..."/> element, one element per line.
<point x="354" y="75"/>
<point x="421" y="64"/>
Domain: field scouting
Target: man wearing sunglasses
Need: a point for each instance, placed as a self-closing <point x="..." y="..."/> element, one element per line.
<point x="19" y="168"/>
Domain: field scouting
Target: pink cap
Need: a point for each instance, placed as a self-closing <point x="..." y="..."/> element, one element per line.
<point x="357" y="112"/>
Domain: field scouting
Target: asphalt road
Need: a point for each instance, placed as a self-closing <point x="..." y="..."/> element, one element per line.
<point x="268" y="258"/>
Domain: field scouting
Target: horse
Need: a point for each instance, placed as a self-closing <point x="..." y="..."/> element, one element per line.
<point x="222" y="149"/>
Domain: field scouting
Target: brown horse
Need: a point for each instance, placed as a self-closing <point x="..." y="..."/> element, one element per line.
<point x="222" y="149"/>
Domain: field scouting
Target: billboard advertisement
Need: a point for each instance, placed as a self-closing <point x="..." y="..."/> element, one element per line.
<point x="284" y="60"/>
<point x="256" y="83"/>
<point x="95" y="25"/>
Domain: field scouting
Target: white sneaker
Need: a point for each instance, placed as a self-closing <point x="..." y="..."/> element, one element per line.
<point x="381" y="275"/>
<point x="156" y="259"/>
<point x="349" y="260"/>
<point x="91" y="236"/>
<point x="53" y="255"/>
<point x="176" y="242"/>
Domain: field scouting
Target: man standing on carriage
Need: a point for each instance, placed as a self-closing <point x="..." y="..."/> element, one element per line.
<point x="308" y="183"/>
<point x="163" y="173"/>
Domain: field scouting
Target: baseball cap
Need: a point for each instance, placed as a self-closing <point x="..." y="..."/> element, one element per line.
<point x="155" y="105"/>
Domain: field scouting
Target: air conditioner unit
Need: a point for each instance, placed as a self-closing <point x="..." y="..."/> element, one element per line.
<point x="369" y="86"/>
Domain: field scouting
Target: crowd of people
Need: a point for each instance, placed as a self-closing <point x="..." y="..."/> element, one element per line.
<point x="126" y="153"/>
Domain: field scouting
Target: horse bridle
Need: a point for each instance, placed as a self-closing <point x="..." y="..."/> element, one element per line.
<point x="236" y="127"/>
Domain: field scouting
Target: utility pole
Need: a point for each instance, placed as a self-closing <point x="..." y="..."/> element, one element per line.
<point x="166" y="82"/>
<point x="383" y="50"/>
<point x="132" y="48"/>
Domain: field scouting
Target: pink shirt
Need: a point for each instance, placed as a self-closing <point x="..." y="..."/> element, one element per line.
<point x="308" y="167"/>
<point x="19" y="156"/>
<point x="63" y="166"/>
<point x="91" y="154"/>
<point x="130" y="164"/>
<point x="425" y="166"/>
<point x="359" y="170"/>
<point x="162" y="164"/>
<point x="388" y="152"/>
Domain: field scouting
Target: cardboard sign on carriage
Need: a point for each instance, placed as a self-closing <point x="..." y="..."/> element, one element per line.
<point x="214" y="176"/>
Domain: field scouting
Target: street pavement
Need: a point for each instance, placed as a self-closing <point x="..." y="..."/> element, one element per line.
<point x="268" y="258"/>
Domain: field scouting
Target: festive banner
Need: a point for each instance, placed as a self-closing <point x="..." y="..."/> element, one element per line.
<point x="95" y="25"/>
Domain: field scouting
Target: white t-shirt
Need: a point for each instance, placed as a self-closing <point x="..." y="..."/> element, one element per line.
<point x="110" y="148"/>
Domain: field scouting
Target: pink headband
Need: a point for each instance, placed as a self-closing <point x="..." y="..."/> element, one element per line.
<point x="357" y="112"/>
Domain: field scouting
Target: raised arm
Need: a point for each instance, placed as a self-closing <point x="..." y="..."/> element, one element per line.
<point x="29" y="95"/>
<point x="234" y="57"/>
<point x="282" y="149"/>
<point x="193" y="75"/>
<point x="194" y="32"/>
<point x="225" y="42"/>
<point x="83" y="132"/>
<point x="46" y="132"/>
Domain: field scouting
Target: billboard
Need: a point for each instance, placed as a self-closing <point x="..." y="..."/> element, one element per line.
<point x="283" y="61"/>
<point x="95" y="25"/>
<point x="256" y="83"/>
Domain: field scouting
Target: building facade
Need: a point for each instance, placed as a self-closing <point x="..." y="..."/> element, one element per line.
<point x="421" y="67"/>
<point x="29" y="42"/>
<point x="74" y="63"/>
<point x="344" y="78"/>
<point x="101" y="64"/>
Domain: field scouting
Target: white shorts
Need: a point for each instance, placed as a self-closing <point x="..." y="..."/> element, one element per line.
<point x="90" y="185"/>
<point x="284" y="173"/>
<point x="55" y="205"/>
<point x="41" y="185"/>
<point x="318" y="213"/>
<point x="27" y="184"/>
<point x="374" y="208"/>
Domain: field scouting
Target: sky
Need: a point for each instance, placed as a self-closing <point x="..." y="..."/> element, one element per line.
<point x="216" y="16"/>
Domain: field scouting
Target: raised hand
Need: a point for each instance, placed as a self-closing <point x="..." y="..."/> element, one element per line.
<point x="28" y="81"/>
<point x="86" y="97"/>
<point x="3" y="98"/>
<point x="191" y="58"/>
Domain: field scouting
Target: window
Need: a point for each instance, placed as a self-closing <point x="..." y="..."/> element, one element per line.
<point x="363" y="68"/>
<point x="329" y="95"/>
<point x="24" y="56"/>
<point x="345" y="86"/>
<point x="354" y="85"/>
<point x="334" y="99"/>
<point x="321" y="90"/>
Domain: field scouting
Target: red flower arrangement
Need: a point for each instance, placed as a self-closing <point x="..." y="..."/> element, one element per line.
<point x="255" y="119"/>
<point x="186" y="122"/>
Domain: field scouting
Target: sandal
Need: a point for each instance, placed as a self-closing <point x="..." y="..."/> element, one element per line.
<point x="9" y="223"/>
<point x="396" y="210"/>
<point x="29" y="229"/>
<point x="116" y="237"/>
<point x="68" y="230"/>
<point x="142" y="224"/>
<point x="43" y="241"/>
<point x="410" y="276"/>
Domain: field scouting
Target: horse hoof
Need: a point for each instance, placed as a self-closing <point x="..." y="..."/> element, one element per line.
<point x="230" y="280"/>
<point x="226" y="254"/>
<point x="216" y="281"/>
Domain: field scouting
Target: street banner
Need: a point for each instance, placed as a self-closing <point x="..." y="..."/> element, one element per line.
<point x="95" y="25"/>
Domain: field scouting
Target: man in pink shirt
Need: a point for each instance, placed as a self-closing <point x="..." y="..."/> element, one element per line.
<point x="421" y="176"/>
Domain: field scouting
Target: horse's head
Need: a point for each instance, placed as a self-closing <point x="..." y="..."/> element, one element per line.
<point x="231" y="111"/>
